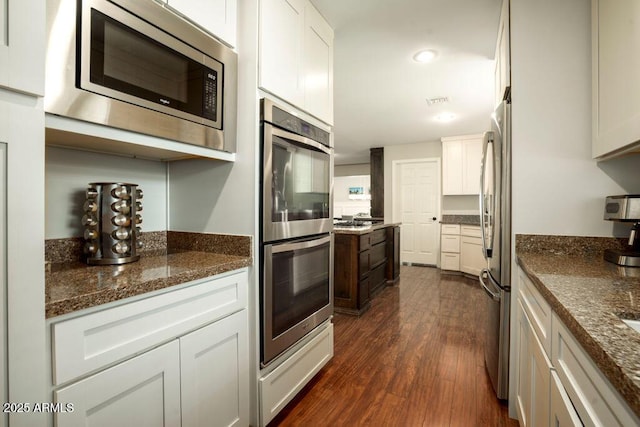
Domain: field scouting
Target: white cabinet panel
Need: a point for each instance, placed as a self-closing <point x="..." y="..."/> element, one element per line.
<point x="471" y="257"/>
<point x="22" y="45"/>
<point x="86" y="343"/>
<point x="461" y="157"/>
<point x="279" y="386"/>
<point x="615" y="67"/>
<point x="143" y="391"/>
<point x="523" y="383"/>
<point x="296" y="56"/>
<point x="216" y="16"/>
<point x="280" y="53"/>
<point x="214" y="374"/>
<point x="318" y="66"/>
<point x="450" y="243"/>
<point x="561" y="411"/>
<point x="595" y="400"/>
<point x="3" y="277"/>
<point x="538" y="310"/>
<point x="540" y="377"/>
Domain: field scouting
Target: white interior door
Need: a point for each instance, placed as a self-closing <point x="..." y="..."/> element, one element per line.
<point x="416" y="204"/>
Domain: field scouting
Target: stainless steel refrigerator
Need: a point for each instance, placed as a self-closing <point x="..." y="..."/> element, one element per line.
<point x="495" y="216"/>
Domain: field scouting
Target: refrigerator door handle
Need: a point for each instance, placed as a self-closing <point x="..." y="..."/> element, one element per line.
<point x="484" y="274"/>
<point x="485" y="205"/>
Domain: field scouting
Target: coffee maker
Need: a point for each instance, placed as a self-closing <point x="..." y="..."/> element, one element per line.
<point x="625" y="209"/>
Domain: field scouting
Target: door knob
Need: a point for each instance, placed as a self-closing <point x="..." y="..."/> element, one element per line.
<point x="434" y="218"/>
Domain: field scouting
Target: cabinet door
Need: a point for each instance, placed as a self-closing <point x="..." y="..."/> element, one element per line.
<point x="471" y="158"/>
<point x="318" y="65"/>
<point x="540" y="375"/>
<point x="471" y="257"/>
<point x="616" y="65"/>
<point x="561" y="412"/>
<point x="214" y="368"/>
<point x="22" y="45"/>
<point x="3" y="277"/>
<point x="143" y="391"/>
<point x="216" y="16"/>
<point x="523" y="386"/>
<point x="451" y="167"/>
<point x="280" y="51"/>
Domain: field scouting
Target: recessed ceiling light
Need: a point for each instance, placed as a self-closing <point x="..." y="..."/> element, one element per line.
<point x="445" y="117"/>
<point x="424" y="55"/>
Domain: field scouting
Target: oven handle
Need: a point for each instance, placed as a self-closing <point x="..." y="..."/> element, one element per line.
<point x="271" y="130"/>
<point x="305" y="244"/>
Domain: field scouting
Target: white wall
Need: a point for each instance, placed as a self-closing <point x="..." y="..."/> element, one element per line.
<point x="557" y="188"/>
<point x="67" y="173"/>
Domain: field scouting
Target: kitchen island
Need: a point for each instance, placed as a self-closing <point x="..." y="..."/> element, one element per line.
<point x="588" y="298"/>
<point x="366" y="258"/>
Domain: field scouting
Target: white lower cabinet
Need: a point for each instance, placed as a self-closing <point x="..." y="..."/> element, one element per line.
<point x="557" y="382"/>
<point x="143" y="391"/>
<point x="461" y="249"/>
<point x="195" y="373"/>
<point x="214" y="372"/>
<point x="471" y="257"/>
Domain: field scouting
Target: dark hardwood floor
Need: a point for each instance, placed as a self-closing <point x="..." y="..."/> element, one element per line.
<point x="415" y="358"/>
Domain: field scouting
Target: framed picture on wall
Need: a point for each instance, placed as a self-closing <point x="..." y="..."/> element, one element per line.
<point x="356" y="191"/>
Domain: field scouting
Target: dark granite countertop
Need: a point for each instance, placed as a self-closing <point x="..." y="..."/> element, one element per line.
<point x="589" y="294"/>
<point x="71" y="285"/>
<point x="362" y="229"/>
<point x="461" y="219"/>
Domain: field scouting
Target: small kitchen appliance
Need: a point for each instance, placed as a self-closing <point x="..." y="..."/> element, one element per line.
<point x="624" y="208"/>
<point x="112" y="223"/>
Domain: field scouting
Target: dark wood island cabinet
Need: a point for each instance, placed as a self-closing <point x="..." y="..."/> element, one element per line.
<point x="365" y="259"/>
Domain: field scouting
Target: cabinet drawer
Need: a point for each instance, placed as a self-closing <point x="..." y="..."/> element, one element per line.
<point x="450" y="243"/>
<point x="451" y="229"/>
<point x="378" y="254"/>
<point x="593" y="397"/>
<point x="378" y="236"/>
<point x="470" y="230"/>
<point x="87" y="343"/>
<point x="538" y="310"/>
<point x="365" y="241"/>
<point x="279" y="386"/>
<point x="449" y="261"/>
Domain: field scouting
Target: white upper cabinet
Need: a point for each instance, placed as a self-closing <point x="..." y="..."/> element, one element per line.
<point x="615" y="70"/>
<point x="296" y="56"/>
<point x="461" y="157"/>
<point x="219" y="17"/>
<point x="318" y="66"/>
<point x="281" y="39"/>
<point x="22" y="27"/>
<point x="502" y="58"/>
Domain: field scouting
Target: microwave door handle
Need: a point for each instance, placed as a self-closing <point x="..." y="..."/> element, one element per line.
<point x="306" y="244"/>
<point x="299" y="139"/>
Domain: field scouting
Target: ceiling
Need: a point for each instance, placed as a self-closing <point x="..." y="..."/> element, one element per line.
<point x="380" y="93"/>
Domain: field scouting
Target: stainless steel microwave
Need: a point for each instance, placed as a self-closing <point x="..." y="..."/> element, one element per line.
<point x="135" y="65"/>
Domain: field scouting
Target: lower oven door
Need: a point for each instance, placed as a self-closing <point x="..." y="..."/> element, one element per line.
<point x="296" y="291"/>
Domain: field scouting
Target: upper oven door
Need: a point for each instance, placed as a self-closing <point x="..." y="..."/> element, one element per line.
<point x="297" y="188"/>
<point x="126" y="58"/>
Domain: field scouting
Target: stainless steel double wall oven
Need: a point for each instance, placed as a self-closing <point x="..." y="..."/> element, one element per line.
<point x="296" y="244"/>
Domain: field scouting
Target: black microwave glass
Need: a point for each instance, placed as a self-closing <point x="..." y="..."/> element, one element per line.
<point x="127" y="61"/>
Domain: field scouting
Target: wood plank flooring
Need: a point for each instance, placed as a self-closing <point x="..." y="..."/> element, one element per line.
<point x="415" y="358"/>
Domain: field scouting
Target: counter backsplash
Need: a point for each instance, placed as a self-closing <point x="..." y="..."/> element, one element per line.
<point x="67" y="250"/>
